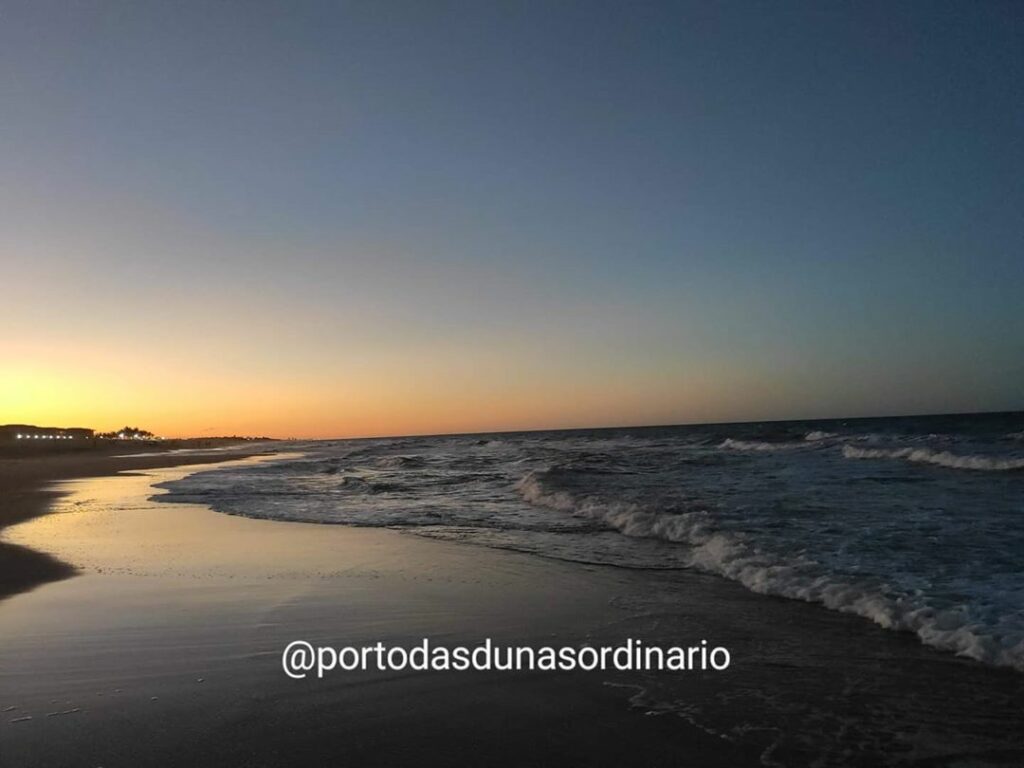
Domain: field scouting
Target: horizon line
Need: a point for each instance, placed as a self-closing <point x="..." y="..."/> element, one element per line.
<point x="652" y="426"/>
<point x="576" y="428"/>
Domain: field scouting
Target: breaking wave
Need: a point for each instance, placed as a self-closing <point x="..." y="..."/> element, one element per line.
<point x="800" y="578"/>
<point x="751" y="445"/>
<point x="939" y="458"/>
<point x="778" y="507"/>
<point x="817" y="434"/>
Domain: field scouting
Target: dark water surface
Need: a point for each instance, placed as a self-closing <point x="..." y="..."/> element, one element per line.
<point x="916" y="524"/>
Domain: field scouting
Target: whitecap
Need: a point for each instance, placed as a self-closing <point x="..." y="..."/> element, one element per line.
<point x="938" y="458"/>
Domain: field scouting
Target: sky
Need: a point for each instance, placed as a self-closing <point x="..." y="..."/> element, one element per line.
<point x="329" y="219"/>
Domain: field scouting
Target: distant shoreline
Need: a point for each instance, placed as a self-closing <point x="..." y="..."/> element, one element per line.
<point x="106" y="446"/>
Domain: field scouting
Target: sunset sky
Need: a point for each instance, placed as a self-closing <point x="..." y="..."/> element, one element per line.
<point x="359" y="218"/>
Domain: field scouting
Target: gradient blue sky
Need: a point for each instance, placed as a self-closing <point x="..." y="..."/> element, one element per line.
<point x="365" y="218"/>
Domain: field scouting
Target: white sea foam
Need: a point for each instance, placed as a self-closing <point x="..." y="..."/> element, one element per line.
<point x="799" y="578"/>
<point x="939" y="458"/>
<point x="817" y="435"/>
<point x="897" y="555"/>
<point x="750" y="445"/>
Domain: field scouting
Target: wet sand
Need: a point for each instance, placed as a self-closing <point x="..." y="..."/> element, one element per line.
<point x="26" y="491"/>
<point x="170" y="594"/>
<point x="164" y="649"/>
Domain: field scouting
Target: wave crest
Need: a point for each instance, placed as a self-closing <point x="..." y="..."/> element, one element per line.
<point x="939" y="458"/>
<point x="800" y="578"/>
<point x="752" y="445"/>
<point x="817" y="435"/>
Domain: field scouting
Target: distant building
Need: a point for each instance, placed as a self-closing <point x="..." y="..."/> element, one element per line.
<point x="19" y="433"/>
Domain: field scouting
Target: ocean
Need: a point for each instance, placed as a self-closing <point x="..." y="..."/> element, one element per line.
<point x="915" y="523"/>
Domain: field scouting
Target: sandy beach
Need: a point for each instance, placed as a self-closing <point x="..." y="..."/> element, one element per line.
<point x="164" y="648"/>
<point x="26" y="487"/>
<point x="168" y="596"/>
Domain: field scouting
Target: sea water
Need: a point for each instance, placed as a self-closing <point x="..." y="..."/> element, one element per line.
<point x="916" y="523"/>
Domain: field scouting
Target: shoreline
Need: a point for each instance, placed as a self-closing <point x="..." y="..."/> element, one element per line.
<point x="27" y="490"/>
<point x="201" y="603"/>
<point x="170" y="594"/>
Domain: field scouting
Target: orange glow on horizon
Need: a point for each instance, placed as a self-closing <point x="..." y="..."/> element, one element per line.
<point x="459" y="399"/>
